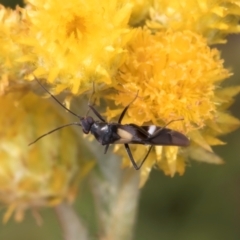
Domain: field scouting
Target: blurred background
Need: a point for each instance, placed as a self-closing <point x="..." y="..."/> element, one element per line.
<point x="203" y="204"/>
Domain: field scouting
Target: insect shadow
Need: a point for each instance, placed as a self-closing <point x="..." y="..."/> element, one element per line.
<point x="117" y="133"/>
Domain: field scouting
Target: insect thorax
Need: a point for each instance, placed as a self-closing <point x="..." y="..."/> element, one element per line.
<point x="105" y="133"/>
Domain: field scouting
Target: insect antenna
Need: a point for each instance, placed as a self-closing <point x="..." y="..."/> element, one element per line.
<point x="63" y="126"/>
<point x="66" y="125"/>
<point x="56" y="98"/>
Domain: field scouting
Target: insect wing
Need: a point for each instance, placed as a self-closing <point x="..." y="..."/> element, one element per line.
<point x="166" y="136"/>
<point x="131" y="133"/>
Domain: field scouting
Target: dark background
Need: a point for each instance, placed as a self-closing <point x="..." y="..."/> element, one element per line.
<point x="204" y="204"/>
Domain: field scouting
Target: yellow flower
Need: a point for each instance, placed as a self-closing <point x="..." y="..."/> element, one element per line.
<point x="212" y="19"/>
<point x="174" y="72"/>
<point x="140" y="11"/>
<point x="43" y="174"/>
<point x="12" y="71"/>
<point x="176" y="76"/>
<point x="77" y="42"/>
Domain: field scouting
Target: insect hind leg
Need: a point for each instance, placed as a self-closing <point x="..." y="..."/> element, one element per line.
<point x="159" y="130"/>
<point x="137" y="167"/>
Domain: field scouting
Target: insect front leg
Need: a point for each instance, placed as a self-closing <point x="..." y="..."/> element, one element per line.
<point x="91" y="107"/>
<point x="125" y="109"/>
<point x="132" y="159"/>
<point x="96" y="113"/>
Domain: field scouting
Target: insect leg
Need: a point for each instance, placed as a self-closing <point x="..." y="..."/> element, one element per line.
<point x="106" y="148"/>
<point x="89" y="101"/>
<point x="146" y="156"/>
<point x="132" y="159"/>
<point x="125" y="109"/>
<point x="96" y="113"/>
<point x="159" y="130"/>
<point x="89" y="107"/>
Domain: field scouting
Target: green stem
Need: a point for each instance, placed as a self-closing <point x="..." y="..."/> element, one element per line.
<point x="72" y="227"/>
<point x="116" y="194"/>
<point x="115" y="191"/>
<point x="116" y="203"/>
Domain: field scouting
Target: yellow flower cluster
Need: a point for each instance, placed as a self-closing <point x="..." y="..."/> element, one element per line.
<point x="166" y="60"/>
<point x="12" y="70"/>
<point x="77" y="43"/>
<point x="213" y="19"/>
<point x="44" y="174"/>
<point x="176" y="75"/>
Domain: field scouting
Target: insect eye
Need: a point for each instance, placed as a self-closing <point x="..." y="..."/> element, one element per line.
<point x="86" y="124"/>
<point x="90" y="120"/>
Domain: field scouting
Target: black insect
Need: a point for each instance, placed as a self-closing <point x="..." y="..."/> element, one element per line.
<point x="117" y="133"/>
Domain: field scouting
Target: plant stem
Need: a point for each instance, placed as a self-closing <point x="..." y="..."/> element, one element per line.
<point x="115" y="191"/>
<point x="116" y="205"/>
<point x="72" y="227"/>
<point x="116" y="194"/>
